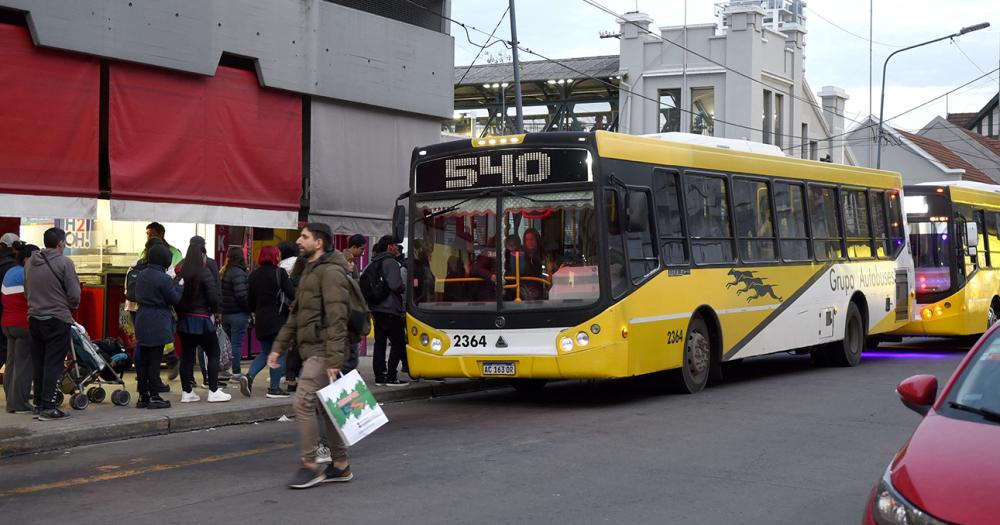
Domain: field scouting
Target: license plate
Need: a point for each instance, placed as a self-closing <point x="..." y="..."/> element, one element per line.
<point x="499" y="369"/>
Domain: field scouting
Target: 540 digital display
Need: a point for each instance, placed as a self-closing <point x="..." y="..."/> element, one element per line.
<point x="503" y="168"/>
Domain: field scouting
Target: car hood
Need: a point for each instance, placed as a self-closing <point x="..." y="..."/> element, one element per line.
<point x="951" y="469"/>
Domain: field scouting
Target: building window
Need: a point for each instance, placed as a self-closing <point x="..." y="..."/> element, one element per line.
<point x="703" y="111"/>
<point x="813" y="150"/>
<point x="765" y="120"/>
<point x="670" y="110"/>
<point x="804" y="145"/>
<point x="779" y="118"/>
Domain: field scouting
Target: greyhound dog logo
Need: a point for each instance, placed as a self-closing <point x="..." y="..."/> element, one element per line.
<point x="751" y="284"/>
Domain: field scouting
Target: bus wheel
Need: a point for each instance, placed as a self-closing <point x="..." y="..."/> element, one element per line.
<point x="993" y="314"/>
<point x="528" y="387"/>
<point x="697" y="359"/>
<point x="848" y="351"/>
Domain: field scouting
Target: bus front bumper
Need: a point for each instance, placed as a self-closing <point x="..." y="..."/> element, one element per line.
<point x="600" y="362"/>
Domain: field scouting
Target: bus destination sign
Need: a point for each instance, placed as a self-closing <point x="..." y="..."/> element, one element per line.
<point x="503" y="168"/>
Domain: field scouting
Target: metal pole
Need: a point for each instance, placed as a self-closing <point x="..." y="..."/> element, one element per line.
<point x="519" y="123"/>
<point x="881" y="105"/>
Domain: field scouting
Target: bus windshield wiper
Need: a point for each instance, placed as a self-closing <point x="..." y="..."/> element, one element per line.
<point x="992" y="415"/>
<point x="451" y="208"/>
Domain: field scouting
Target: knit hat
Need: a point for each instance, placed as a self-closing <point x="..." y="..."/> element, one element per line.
<point x="159" y="255"/>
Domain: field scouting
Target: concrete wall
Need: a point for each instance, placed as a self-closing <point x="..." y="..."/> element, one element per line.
<point x="306" y="46"/>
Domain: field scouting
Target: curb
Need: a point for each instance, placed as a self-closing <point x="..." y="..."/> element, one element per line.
<point x="169" y="424"/>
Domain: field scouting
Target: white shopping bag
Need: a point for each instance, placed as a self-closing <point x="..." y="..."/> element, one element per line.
<point x="351" y="407"/>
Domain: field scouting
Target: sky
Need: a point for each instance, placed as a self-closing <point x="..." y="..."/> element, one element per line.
<point x="833" y="56"/>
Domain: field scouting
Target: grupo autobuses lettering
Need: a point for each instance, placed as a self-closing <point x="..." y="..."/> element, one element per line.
<point x="866" y="278"/>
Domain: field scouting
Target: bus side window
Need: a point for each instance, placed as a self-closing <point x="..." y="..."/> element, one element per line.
<point x="668" y="217"/>
<point x="789" y="204"/>
<point x="896" y="234"/>
<point x="642" y="250"/>
<point x="879" y="232"/>
<point x="708" y="219"/>
<point x="825" y="222"/>
<point x="616" y="245"/>
<point x="754" y="230"/>
<point x="992" y="239"/>
<point x="854" y="208"/>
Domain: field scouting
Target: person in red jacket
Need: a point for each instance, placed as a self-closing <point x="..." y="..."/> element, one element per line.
<point x="14" y="322"/>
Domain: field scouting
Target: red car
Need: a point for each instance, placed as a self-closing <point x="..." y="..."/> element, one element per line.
<point x="949" y="470"/>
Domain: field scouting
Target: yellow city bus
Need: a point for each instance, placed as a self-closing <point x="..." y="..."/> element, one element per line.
<point x="601" y="255"/>
<point x="955" y="244"/>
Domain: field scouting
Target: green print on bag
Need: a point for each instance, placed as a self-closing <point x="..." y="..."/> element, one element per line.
<point x="351" y="403"/>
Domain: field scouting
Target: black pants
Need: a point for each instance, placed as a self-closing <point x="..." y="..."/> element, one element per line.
<point x="50" y="342"/>
<point x="147" y="371"/>
<point x="293" y="364"/>
<point x="189" y="348"/>
<point x="392" y="328"/>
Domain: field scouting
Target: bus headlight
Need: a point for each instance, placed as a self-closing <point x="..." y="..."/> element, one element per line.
<point x="582" y="339"/>
<point x="566" y="344"/>
<point x="436" y="344"/>
<point x="927" y="313"/>
<point x="424" y="339"/>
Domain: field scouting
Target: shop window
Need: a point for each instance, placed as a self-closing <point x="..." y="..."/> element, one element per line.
<point x="668" y="217"/>
<point x="642" y="256"/>
<point x="670" y="110"/>
<point x="879" y="232"/>
<point x="790" y="209"/>
<point x="825" y="222"/>
<point x="703" y="111"/>
<point x="708" y="219"/>
<point x="854" y="210"/>
<point x="754" y="229"/>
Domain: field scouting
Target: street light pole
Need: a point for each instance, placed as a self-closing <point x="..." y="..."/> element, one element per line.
<point x="519" y="123"/>
<point x="881" y="105"/>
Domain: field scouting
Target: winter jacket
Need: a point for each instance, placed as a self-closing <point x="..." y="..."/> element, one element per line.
<point x="234" y="290"/>
<point x="51" y="292"/>
<point x="318" y="319"/>
<point x="392" y="272"/>
<point x="205" y="299"/>
<point x="269" y="314"/>
<point x="7" y="261"/>
<point x="155" y="292"/>
<point x="15" y="305"/>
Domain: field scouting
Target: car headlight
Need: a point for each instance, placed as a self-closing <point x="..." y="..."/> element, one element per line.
<point x="893" y="509"/>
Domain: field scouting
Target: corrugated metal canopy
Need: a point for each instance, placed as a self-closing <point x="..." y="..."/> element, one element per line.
<point x="540" y="70"/>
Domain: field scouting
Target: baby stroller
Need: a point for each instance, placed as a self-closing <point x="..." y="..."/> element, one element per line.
<point x="86" y="367"/>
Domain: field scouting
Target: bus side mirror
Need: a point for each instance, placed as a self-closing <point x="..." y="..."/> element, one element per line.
<point x="638" y="212"/>
<point x="971" y="235"/>
<point x="399" y="222"/>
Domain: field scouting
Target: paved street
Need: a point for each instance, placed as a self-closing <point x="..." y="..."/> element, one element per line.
<point x="779" y="442"/>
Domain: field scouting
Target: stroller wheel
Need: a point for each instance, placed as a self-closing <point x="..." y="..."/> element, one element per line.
<point x="96" y="394"/>
<point x="78" y="401"/>
<point x="121" y="397"/>
<point x="60" y="397"/>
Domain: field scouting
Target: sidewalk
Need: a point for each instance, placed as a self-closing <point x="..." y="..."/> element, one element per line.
<point x="20" y="434"/>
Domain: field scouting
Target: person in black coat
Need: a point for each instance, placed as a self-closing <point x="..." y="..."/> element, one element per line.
<point x="235" y="308"/>
<point x="199" y="303"/>
<point x="270" y="293"/>
<point x="156" y="293"/>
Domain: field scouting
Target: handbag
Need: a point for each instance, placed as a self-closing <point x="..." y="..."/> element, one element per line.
<point x="284" y="302"/>
<point x="225" y="348"/>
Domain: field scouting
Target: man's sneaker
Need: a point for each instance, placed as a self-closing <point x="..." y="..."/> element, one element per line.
<point x="291" y="387"/>
<point x="218" y="396"/>
<point x="396" y="382"/>
<point x="35" y="411"/>
<point x="189" y="397"/>
<point x="157" y="402"/>
<point x="334" y="474"/>
<point x="306" y="478"/>
<point x="52" y="414"/>
<point x="246" y="387"/>
<point x="379" y="382"/>
<point x="323" y="454"/>
<point x="277" y="393"/>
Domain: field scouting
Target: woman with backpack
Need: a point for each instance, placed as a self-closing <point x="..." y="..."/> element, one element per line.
<point x="270" y="294"/>
<point x="156" y="293"/>
<point x="199" y="302"/>
<point x="235" y="308"/>
<point x="17" y="381"/>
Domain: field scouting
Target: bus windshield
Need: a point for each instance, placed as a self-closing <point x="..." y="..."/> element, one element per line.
<point x="931" y="248"/>
<point x="546" y="256"/>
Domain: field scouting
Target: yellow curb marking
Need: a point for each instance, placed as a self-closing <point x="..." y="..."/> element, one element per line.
<point x="127" y="473"/>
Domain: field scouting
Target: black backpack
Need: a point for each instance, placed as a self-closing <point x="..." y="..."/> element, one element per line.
<point x="130" y="278"/>
<point x="372" y="283"/>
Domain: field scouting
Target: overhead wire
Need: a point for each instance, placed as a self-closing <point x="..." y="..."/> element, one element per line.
<point x="484" y="46"/>
<point x="834" y="24"/>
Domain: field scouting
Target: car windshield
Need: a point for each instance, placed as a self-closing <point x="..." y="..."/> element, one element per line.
<point x="932" y="251"/>
<point x="978" y="387"/>
<point x="547" y="255"/>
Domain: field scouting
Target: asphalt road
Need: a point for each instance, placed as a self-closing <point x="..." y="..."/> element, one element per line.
<point x="779" y="442"/>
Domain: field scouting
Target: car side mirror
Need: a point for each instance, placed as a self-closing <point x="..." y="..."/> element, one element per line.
<point x="638" y="212"/>
<point x="918" y="392"/>
<point x="399" y="222"/>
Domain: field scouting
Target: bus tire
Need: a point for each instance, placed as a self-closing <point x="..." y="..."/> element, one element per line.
<point x="696" y="363"/>
<point x="993" y="314"/>
<point x="528" y="387"/>
<point x="847" y="352"/>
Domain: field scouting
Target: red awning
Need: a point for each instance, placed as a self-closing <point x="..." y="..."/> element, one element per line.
<point x="187" y="148"/>
<point x="48" y="129"/>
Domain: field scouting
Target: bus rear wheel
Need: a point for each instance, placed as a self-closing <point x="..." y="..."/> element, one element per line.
<point x="993" y="315"/>
<point x="847" y="352"/>
<point x="697" y="359"/>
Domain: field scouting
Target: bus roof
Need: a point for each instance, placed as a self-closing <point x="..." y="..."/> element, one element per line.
<point x="966" y="191"/>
